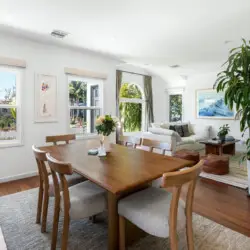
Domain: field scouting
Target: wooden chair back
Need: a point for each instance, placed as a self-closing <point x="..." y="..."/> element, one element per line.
<point x="60" y="169"/>
<point x="176" y="180"/>
<point x="40" y="160"/>
<point x="130" y="140"/>
<point x="152" y="144"/>
<point x="60" y="138"/>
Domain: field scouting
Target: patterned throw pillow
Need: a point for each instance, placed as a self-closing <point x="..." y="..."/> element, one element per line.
<point x="185" y="130"/>
<point x="178" y="129"/>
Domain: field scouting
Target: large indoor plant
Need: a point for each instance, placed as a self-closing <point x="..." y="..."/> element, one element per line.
<point x="235" y="81"/>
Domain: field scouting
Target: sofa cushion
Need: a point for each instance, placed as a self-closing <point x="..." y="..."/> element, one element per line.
<point x="179" y="130"/>
<point x="167" y="132"/>
<point x="185" y="130"/>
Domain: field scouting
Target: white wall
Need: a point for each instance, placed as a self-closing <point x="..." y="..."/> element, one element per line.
<point x="49" y="59"/>
<point x="205" y="81"/>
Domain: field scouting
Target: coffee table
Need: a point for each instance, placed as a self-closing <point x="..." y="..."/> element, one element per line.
<point x="227" y="147"/>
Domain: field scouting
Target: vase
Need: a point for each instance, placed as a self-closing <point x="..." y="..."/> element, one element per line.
<point x="248" y="174"/>
<point x="222" y="138"/>
<point x="101" y="149"/>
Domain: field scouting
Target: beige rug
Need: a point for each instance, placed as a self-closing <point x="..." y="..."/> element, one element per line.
<point x="237" y="172"/>
<point x="2" y="242"/>
<point x="17" y="219"/>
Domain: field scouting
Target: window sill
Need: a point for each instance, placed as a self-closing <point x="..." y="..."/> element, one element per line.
<point x="87" y="136"/>
<point x="10" y="144"/>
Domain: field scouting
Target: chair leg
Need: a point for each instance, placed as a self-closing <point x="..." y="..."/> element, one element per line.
<point x="39" y="204"/>
<point x="55" y="224"/>
<point x="65" y="233"/>
<point x="45" y="210"/>
<point x="189" y="231"/>
<point x="122" y="244"/>
<point x="173" y="239"/>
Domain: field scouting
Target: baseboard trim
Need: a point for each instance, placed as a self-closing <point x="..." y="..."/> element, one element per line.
<point x="18" y="177"/>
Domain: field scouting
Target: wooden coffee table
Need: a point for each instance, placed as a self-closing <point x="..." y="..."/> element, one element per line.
<point x="227" y="147"/>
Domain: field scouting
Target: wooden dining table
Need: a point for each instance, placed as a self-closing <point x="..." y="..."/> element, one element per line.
<point x="123" y="171"/>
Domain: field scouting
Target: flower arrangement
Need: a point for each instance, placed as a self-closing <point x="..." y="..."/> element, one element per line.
<point x="105" y="125"/>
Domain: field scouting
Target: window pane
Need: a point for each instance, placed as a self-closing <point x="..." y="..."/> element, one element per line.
<point x="7" y="88"/>
<point x="129" y="90"/>
<point x="82" y="121"/>
<point x="175" y="107"/>
<point x="94" y="90"/>
<point x="131" y="116"/>
<point x="8" y="124"/>
<point x="77" y="93"/>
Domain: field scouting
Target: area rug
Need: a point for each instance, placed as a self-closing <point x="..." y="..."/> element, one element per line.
<point x="2" y="241"/>
<point x="237" y="172"/>
<point x="17" y="219"/>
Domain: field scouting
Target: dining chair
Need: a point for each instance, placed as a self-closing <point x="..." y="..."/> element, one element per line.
<point x="130" y="141"/>
<point x="83" y="200"/>
<point x="159" y="212"/>
<point x="153" y="144"/>
<point x="60" y="138"/>
<point x="46" y="186"/>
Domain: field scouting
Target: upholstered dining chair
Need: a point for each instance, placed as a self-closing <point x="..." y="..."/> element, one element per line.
<point x="130" y="141"/>
<point x="46" y="186"/>
<point x="80" y="201"/>
<point x="60" y="138"/>
<point x="159" y="212"/>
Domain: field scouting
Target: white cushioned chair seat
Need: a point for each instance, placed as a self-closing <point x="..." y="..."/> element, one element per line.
<point x="86" y="199"/>
<point x="149" y="210"/>
<point x="71" y="179"/>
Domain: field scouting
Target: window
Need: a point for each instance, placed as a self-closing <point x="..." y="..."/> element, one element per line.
<point x="10" y="109"/>
<point x="132" y="107"/>
<point x="85" y="104"/>
<point x="175" y="107"/>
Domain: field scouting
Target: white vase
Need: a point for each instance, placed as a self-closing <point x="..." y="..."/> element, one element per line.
<point x="248" y="173"/>
<point x="101" y="149"/>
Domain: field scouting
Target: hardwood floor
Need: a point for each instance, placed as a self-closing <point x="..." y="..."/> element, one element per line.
<point x="19" y="185"/>
<point x="222" y="203"/>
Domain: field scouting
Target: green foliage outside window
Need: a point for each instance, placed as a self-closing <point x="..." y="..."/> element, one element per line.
<point x="175" y="106"/>
<point x="131" y="113"/>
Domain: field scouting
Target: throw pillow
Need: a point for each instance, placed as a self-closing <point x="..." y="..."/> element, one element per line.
<point x="178" y="129"/>
<point x="172" y="127"/>
<point x="185" y="130"/>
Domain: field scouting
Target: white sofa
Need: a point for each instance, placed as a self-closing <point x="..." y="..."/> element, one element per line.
<point x="161" y="132"/>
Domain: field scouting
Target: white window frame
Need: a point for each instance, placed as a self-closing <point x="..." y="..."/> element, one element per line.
<point x="136" y="100"/>
<point x="19" y="140"/>
<point x="91" y="82"/>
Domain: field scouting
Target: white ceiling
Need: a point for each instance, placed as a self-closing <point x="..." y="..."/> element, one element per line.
<point x="157" y="32"/>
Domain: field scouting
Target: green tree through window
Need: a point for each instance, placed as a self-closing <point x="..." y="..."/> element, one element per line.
<point x="130" y="112"/>
<point x="175" y="106"/>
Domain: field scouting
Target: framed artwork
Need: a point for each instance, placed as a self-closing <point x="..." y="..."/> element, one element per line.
<point x="45" y="98"/>
<point x="211" y="105"/>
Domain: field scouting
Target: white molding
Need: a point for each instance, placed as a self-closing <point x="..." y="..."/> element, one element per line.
<point x="17" y="177"/>
<point x="85" y="73"/>
<point x="175" y="90"/>
<point x="12" y="62"/>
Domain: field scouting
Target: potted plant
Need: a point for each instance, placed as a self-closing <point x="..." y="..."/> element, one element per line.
<point x="223" y="131"/>
<point x="235" y="81"/>
<point x="105" y="125"/>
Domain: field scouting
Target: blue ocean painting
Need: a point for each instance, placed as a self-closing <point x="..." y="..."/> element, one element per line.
<point x="211" y="104"/>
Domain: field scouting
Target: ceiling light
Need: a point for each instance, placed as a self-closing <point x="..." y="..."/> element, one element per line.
<point x="59" y="33"/>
